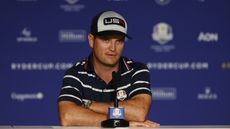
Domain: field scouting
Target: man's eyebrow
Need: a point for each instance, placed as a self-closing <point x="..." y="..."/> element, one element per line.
<point x="122" y="38"/>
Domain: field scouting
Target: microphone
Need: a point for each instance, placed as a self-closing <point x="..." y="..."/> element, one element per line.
<point x="116" y="114"/>
<point x="115" y="79"/>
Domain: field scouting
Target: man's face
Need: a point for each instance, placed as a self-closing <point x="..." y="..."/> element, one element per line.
<point x="107" y="50"/>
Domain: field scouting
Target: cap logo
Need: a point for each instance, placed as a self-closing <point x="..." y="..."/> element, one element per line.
<point x="114" y="20"/>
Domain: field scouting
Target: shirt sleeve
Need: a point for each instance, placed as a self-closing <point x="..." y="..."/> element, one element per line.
<point x="140" y="81"/>
<point x="71" y="88"/>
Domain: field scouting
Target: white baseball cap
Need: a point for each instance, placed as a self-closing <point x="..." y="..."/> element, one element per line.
<point x="107" y="23"/>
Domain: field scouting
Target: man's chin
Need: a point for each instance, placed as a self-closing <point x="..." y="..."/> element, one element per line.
<point x="110" y="64"/>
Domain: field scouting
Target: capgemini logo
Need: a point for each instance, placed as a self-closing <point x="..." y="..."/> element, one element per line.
<point x="27" y="96"/>
<point x="162" y="33"/>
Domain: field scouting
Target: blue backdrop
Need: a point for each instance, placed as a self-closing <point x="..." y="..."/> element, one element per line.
<point x="185" y="44"/>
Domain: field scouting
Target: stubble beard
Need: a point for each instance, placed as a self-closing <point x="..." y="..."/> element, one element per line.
<point x="98" y="60"/>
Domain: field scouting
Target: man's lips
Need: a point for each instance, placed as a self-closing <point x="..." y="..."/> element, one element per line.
<point x="111" y="54"/>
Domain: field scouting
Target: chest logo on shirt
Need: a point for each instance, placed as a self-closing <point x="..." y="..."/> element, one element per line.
<point x="121" y="95"/>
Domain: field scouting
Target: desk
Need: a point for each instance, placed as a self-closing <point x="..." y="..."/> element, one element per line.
<point x="86" y="127"/>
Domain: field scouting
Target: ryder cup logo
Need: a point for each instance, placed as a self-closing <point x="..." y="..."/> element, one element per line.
<point x="121" y="95"/>
<point x="162" y="2"/>
<point x="117" y="112"/>
<point x="162" y="33"/>
<point x="71" y="1"/>
<point x="72" y="6"/>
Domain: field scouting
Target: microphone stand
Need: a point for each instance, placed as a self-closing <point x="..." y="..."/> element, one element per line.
<point x="116" y="113"/>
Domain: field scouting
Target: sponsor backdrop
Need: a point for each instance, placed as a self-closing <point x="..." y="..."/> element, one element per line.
<point x="185" y="44"/>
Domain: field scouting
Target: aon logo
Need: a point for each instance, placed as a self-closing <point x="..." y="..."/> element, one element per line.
<point x="208" y="37"/>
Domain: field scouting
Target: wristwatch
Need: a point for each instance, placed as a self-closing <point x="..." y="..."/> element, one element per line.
<point x="87" y="103"/>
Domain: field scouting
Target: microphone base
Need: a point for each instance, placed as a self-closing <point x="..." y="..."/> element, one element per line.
<point x="112" y="123"/>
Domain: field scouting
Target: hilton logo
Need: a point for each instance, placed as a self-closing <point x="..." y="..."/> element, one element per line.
<point x="72" y="35"/>
<point x="164" y="93"/>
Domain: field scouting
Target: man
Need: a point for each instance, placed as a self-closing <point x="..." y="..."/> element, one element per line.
<point x="87" y="90"/>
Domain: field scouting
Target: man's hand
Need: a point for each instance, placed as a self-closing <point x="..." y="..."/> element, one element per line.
<point x="147" y="123"/>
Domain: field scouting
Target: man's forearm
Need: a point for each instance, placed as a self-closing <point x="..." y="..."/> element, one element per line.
<point x="72" y="114"/>
<point x="133" y="110"/>
<point x="136" y="109"/>
<point x="101" y="107"/>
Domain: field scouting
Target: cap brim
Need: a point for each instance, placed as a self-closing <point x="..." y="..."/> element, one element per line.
<point x="104" y="33"/>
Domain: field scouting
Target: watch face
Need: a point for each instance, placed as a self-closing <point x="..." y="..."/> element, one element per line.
<point x="87" y="103"/>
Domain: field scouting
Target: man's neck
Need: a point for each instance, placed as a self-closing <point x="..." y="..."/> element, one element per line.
<point x="105" y="72"/>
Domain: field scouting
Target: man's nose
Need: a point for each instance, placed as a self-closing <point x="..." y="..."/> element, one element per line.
<point x="112" y="46"/>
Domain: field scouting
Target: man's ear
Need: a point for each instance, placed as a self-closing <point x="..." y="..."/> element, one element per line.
<point x="91" y="40"/>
